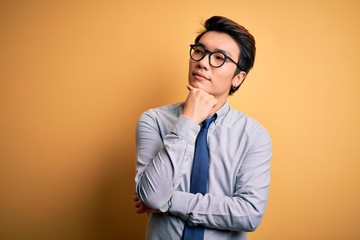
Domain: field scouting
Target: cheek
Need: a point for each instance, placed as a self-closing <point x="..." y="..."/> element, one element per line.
<point x="191" y="65"/>
<point x="224" y="81"/>
<point x="225" y="77"/>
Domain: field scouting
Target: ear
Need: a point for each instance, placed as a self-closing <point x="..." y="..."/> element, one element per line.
<point x="238" y="79"/>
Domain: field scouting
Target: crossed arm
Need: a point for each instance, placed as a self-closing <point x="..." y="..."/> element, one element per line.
<point x="158" y="175"/>
<point x="198" y="106"/>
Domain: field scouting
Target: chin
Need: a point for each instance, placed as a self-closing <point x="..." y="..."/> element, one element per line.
<point x="196" y="83"/>
<point x="202" y="87"/>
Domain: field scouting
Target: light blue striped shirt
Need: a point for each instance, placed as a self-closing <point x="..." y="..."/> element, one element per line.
<point x="240" y="152"/>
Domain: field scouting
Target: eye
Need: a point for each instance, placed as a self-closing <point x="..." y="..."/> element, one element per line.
<point x="198" y="50"/>
<point x="219" y="57"/>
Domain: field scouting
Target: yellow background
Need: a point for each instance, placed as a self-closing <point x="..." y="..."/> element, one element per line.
<point x="76" y="75"/>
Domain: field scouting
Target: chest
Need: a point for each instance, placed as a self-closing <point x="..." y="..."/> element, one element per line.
<point x="228" y="149"/>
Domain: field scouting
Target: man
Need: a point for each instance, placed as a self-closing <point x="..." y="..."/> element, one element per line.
<point x="216" y="189"/>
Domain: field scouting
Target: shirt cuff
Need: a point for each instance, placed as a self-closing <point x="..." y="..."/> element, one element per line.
<point x="186" y="128"/>
<point x="180" y="204"/>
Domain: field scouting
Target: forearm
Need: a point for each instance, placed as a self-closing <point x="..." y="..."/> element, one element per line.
<point x="243" y="209"/>
<point x="226" y="213"/>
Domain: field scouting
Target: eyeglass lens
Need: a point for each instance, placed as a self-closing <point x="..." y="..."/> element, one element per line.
<point x="217" y="59"/>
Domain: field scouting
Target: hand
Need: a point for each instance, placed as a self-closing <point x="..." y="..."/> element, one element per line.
<point x="141" y="207"/>
<point x="198" y="104"/>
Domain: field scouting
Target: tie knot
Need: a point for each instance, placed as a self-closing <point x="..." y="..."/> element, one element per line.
<point x="206" y="123"/>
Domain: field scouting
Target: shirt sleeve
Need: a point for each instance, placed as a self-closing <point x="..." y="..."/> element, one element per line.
<point x="162" y="160"/>
<point x="244" y="209"/>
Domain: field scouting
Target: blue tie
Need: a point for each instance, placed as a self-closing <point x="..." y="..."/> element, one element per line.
<point x="199" y="176"/>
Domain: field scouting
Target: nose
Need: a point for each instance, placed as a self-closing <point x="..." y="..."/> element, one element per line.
<point x="204" y="62"/>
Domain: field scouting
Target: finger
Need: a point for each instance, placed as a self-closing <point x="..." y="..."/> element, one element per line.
<point x="140" y="210"/>
<point x="137" y="203"/>
<point x="189" y="87"/>
<point x="143" y="209"/>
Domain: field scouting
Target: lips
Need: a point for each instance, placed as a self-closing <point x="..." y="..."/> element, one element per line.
<point x="200" y="76"/>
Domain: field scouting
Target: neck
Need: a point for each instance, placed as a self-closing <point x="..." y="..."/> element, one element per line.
<point x="218" y="105"/>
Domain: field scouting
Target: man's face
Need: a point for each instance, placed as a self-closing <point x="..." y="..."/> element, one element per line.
<point x="215" y="81"/>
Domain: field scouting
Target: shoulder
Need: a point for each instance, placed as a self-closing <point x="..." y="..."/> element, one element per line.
<point x="246" y="124"/>
<point x="160" y="118"/>
<point x="163" y="111"/>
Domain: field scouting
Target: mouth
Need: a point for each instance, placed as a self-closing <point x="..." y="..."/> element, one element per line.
<point x="200" y="76"/>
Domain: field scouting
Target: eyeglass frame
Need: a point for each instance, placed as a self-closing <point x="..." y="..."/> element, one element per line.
<point x="207" y="51"/>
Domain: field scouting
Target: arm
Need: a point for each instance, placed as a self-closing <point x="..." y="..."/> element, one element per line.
<point x="244" y="209"/>
<point x="141" y="207"/>
<point x="161" y="160"/>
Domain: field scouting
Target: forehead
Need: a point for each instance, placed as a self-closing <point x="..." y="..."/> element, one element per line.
<point x="220" y="41"/>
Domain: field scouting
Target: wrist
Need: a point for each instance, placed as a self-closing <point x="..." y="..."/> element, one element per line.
<point x="166" y="207"/>
<point x="191" y="117"/>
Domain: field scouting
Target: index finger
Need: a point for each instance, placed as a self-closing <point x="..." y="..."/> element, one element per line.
<point x="189" y="87"/>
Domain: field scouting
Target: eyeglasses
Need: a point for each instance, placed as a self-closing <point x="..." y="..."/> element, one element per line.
<point x="216" y="59"/>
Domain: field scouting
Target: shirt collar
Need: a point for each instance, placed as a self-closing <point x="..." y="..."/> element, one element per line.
<point x="221" y="113"/>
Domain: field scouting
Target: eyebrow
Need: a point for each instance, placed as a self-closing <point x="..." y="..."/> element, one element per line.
<point x="216" y="50"/>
